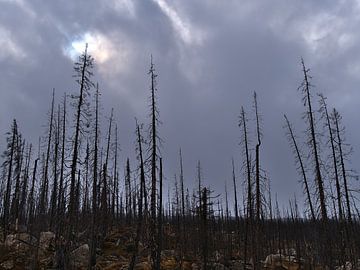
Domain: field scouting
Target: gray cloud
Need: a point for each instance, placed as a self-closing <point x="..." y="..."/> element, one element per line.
<point x="210" y="57"/>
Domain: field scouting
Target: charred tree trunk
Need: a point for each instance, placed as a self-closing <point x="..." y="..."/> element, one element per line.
<point x="54" y="194"/>
<point x="302" y="168"/>
<point x="45" y="179"/>
<point x="336" y="117"/>
<point x="94" y="186"/>
<point x="305" y="86"/>
<point x="153" y="165"/>
<point x="335" y="165"/>
<point x="104" y="193"/>
<point x="140" y="199"/>
<point x="83" y="74"/>
<point x="160" y="217"/>
<point x="10" y="153"/>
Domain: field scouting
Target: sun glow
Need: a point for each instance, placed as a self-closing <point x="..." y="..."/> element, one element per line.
<point x="111" y="52"/>
<point x="98" y="46"/>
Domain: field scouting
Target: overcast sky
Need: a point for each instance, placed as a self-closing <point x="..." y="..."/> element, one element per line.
<point x="210" y="56"/>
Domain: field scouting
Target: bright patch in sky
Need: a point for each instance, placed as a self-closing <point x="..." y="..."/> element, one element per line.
<point x="111" y="55"/>
<point x="98" y="46"/>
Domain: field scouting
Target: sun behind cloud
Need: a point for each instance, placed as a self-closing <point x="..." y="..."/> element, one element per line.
<point x="111" y="57"/>
<point x="99" y="46"/>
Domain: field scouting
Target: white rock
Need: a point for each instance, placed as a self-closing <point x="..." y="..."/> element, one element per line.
<point x="80" y="256"/>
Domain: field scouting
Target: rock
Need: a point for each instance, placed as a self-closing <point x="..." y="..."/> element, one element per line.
<point x="280" y="261"/>
<point x="347" y="266"/>
<point x="46" y="244"/>
<point x="20" y="241"/>
<point x="116" y="266"/>
<point x="194" y="266"/>
<point x="80" y="257"/>
<point x="287" y="251"/>
<point x="186" y="265"/>
<point x="236" y="265"/>
<point x="46" y="240"/>
<point x="169" y="263"/>
<point x="142" y="266"/>
<point x="219" y="266"/>
<point x="9" y="264"/>
<point x="167" y="254"/>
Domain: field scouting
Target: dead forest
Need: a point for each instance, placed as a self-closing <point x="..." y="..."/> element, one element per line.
<point x="66" y="204"/>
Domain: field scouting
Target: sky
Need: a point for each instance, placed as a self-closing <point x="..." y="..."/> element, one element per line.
<point x="210" y="56"/>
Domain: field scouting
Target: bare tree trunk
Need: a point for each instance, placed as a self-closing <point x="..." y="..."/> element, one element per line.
<point x="23" y="202"/>
<point x="31" y="212"/>
<point x="257" y="161"/>
<point x="61" y="197"/>
<point x="235" y="194"/>
<point x="160" y="214"/>
<point x="249" y="209"/>
<point x="140" y="200"/>
<point x="339" y="139"/>
<point x="337" y="182"/>
<point x="116" y="179"/>
<point x="82" y="69"/>
<point x="154" y="156"/>
<point x="94" y="186"/>
<point x="306" y="89"/>
<point x="54" y="195"/>
<point x="104" y="193"/>
<point x="302" y="168"/>
<point x="19" y="150"/>
<point x="184" y="240"/>
<point x="128" y="192"/>
<point x="9" y="177"/>
<point x="45" y="181"/>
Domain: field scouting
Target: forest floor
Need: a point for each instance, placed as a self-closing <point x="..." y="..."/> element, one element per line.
<point x="23" y="251"/>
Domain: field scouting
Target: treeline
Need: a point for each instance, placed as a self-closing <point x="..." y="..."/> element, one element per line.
<point x="71" y="184"/>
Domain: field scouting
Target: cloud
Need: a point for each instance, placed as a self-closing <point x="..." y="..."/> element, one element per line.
<point x="187" y="32"/>
<point x="126" y="7"/>
<point x="8" y="46"/>
<point x="210" y="56"/>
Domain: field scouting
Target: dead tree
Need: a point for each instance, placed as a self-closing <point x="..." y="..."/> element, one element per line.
<point x="104" y="193"/>
<point x="19" y="150"/>
<point x="325" y="114"/>
<point x="227" y="215"/>
<point x="94" y="185"/>
<point x="160" y="218"/>
<point x="115" y="203"/>
<point x="83" y="76"/>
<point x="24" y="193"/>
<point x="31" y="199"/>
<point x="257" y="160"/>
<point x="128" y="191"/>
<point x="153" y="159"/>
<point x="336" y="118"/>
<point x="183" y="246"/>
<point x="45" y="178"/>
<point x="249" y="208"/>
<point x="235" y="194"/>
<point x="61" y="196"/>
<point x="85" y="204"/>
<point x="300" y="166"/>
<point x="54" y="193"/>
<point x="140" y="199"/>
<point x="313" y="143"/>
<point x="9" y="154"/>
<point x="198" y="168"/>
